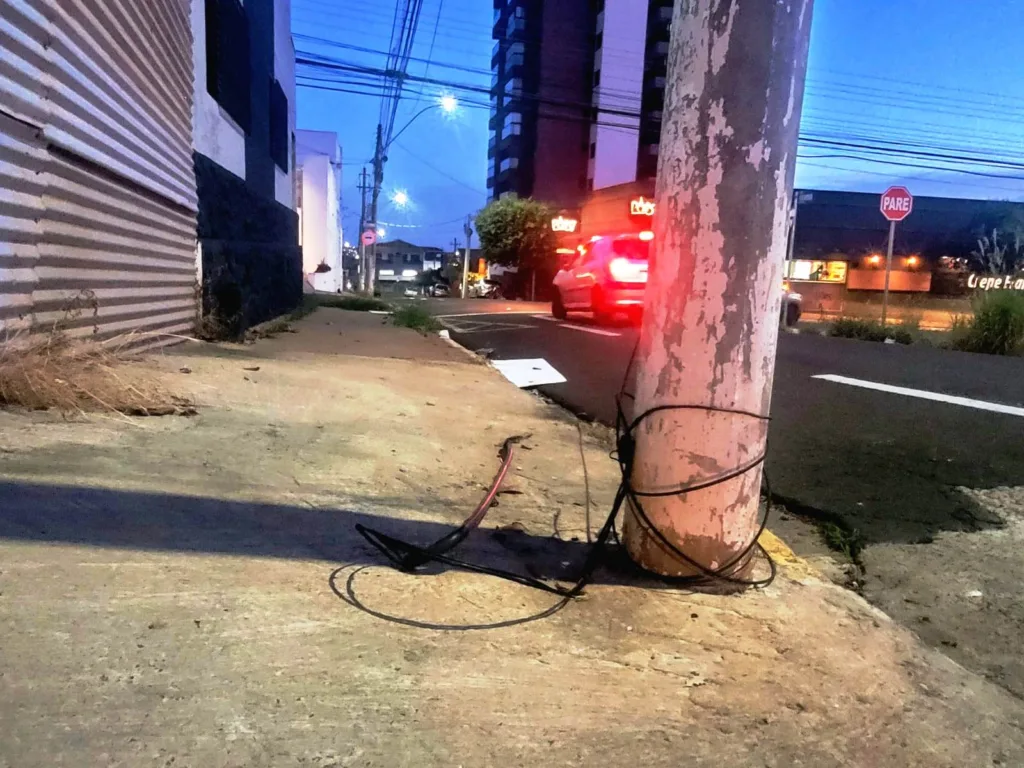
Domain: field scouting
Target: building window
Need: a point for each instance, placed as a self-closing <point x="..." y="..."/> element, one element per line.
<point x="598" y="41"/>
<point x="654" y="149"/>
<point x="593" y="150"/>
<point x="509" y="163"/>
<point x="227" y="59"/>
<point x="665" y="12"/>
<point x="597" y="78"/>
<point x="516" y="22"/>
<point x="661" y="48"/>
<point x="659" y="82"/>
<point x="278" y="126"/>
<point x="515" y="55"/>
<point x="513" y="125"/>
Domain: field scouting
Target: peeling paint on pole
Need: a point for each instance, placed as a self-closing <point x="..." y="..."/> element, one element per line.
<point x="728" y="151"/>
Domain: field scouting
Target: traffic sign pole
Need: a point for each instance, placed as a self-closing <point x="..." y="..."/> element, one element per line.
<point x="888" y="271"/>
<point x="896" y="204"/>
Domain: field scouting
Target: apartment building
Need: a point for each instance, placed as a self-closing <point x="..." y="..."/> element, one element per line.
<point x="577" y="93"/>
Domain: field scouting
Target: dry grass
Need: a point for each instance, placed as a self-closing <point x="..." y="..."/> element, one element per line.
<point x="52" y="371"/>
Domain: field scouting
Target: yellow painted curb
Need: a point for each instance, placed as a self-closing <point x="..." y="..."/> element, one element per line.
<point x="788" y="560"/>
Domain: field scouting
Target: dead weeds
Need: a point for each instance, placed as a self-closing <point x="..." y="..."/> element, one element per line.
<point x="53" y="371"/>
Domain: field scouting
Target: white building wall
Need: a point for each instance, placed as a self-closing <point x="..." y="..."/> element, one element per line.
<point x="319" y="158"/>
<point x="214" y="133"/>
<point x="623" y="26"/>
<point x="284" y="71"/>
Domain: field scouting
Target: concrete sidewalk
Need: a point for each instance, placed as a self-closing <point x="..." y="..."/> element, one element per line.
<point x="170" y="593"/>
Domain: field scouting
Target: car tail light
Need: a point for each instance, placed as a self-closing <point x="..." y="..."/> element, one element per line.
<point x="624" y="270"/>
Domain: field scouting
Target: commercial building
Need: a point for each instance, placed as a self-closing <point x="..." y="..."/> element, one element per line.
<point x="576" y="98"/>
<point x="244" y="123"/>
<point x="318" y="203"/>
<point x="838" y="241"/>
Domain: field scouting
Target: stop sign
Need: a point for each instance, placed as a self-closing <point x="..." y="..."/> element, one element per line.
<point x="897" y="203"/>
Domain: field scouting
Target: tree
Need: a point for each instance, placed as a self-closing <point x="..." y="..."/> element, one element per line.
<point x="516" y="232"/>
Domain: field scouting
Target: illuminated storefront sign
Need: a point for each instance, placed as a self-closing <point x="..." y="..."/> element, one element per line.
<point x="991" y="282"/>
<point x="564" y="224"/>
<point x="641" y="206"/>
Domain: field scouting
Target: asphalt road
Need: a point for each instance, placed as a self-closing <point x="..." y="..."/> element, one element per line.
<point x="885" y="464"/>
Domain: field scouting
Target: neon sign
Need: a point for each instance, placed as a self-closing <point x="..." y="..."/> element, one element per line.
<point x="641" y="206"/>
<point x="564" y="224"/>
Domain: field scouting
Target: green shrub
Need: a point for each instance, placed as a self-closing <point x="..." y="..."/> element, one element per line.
<point x="996" y="328"/>
<point x="415" y="317"/>
<point x="869" y="330"/>
<point x="354" y="303"/>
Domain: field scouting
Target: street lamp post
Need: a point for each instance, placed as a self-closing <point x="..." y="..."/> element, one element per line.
<point x="447" y="104"/>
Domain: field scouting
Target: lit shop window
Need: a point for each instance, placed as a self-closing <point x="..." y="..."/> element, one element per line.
<point x="817" y="271"/>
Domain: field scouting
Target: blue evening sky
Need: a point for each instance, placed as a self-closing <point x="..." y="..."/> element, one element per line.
<point x="944" y="76"/>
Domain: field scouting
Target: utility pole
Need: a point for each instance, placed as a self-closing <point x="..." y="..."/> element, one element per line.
<point x="468" y="230"/>
<point x="728" y="152"/>
<point x="378" y="179"/>
<point x="364" y="187"/>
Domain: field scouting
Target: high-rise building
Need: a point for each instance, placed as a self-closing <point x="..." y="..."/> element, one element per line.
<point x="576" y="95"/>
<point x="540" y="98"/>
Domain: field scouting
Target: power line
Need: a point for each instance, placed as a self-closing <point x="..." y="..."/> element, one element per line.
<point x="433" y="167"/>
<point x="430" y="52"/>
<point x="806" y="161"/>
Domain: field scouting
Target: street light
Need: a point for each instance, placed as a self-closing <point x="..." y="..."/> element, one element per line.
<point x="400" y="198"/>
<point x="447" y="103"/>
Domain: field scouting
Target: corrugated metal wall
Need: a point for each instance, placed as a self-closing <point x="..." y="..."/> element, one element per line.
<point x="97" y="186"/>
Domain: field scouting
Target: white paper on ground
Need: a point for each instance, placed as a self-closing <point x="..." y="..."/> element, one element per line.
<point x="529" y="373"/>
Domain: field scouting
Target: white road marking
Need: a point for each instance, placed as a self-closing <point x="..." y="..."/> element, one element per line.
<point x="573" y="326"/>
<point x="483" y="326"/>
<point x="981" y="405"/>
<point x="490" y="314"/>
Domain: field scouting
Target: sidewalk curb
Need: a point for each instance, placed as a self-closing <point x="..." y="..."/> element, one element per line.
<point x="443" y="335"/>
<point x="789" y="561"/>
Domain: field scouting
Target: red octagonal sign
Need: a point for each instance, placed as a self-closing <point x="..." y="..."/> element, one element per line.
<point x="897" y="203"/>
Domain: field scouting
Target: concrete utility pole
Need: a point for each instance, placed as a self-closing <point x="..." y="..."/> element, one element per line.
<point x="468" y="230"/>
<point x="378" y="179"/>
<point x="364" y="187"/>
<point x="728" y="151"/>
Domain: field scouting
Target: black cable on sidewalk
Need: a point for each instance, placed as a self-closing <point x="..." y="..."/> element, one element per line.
<point x="409" y="557"/>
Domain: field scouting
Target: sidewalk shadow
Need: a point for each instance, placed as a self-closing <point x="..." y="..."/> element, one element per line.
<point x="152" y="522"/>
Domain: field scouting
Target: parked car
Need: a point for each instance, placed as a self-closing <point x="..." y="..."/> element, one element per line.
<point x="484" y="289"/>
<point x="437" y="290"/>
<point x="608" y="276"/>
